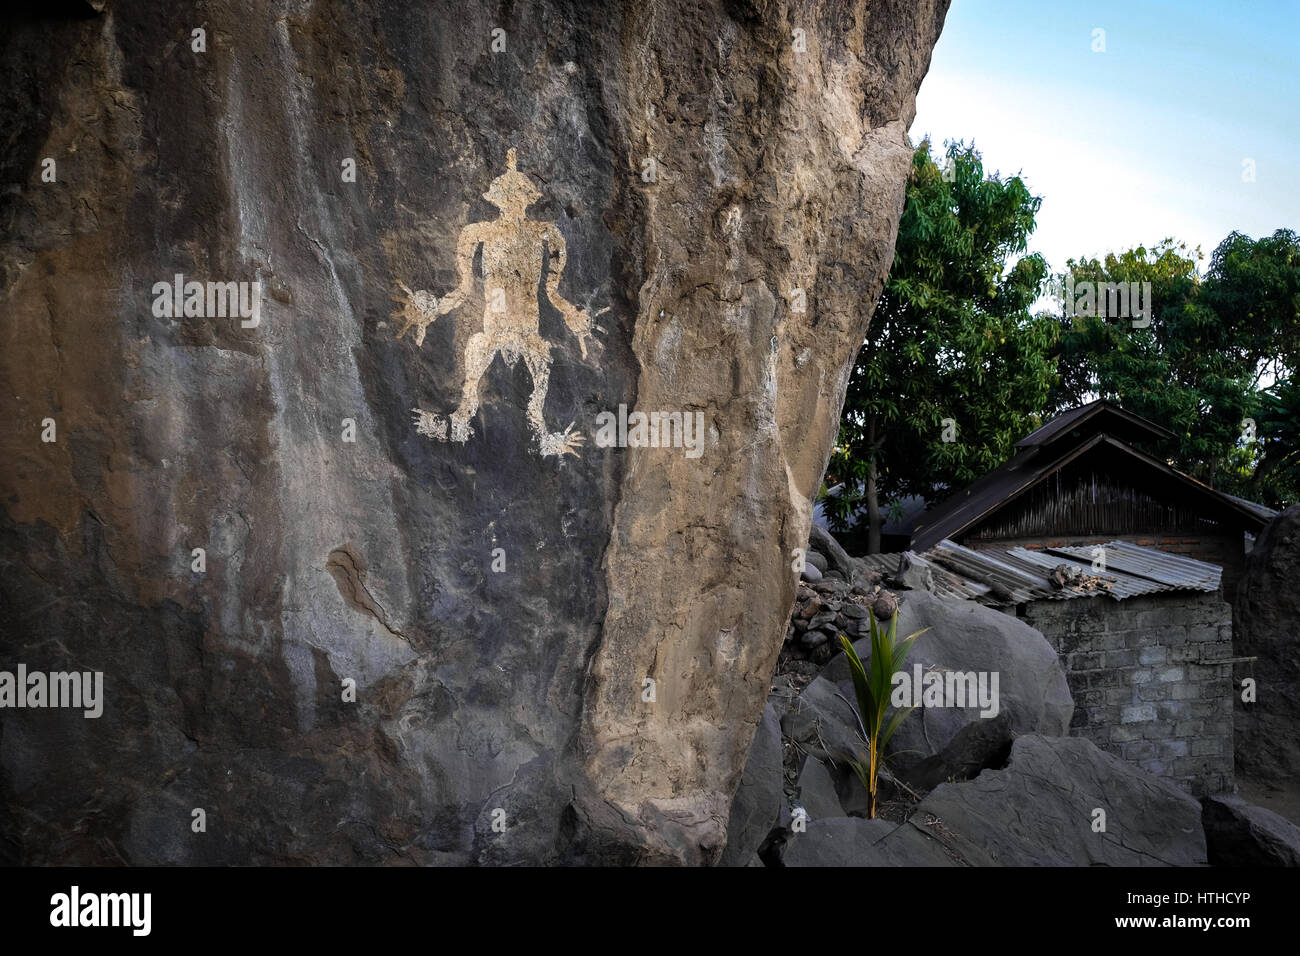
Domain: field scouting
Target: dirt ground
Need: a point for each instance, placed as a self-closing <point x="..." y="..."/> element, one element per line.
<point x="1284" y="801"/>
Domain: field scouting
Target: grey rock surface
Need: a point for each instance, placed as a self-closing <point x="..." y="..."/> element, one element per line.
<point x="821" y="722"/>
<point x="1042" y="808"/>
<point x="1266" y="733"/>
<point x="850" y="841"/>
<point x="757" y="803"/>
<point x="1238" y="833"/>
<point x="817" y="791"/>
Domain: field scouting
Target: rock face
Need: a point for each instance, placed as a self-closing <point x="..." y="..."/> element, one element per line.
<point x="1267" y="606"/>
<point x="817" y="791"/>
<point x="1041" y="810"/>
<point x="425" y="611"/>
<point x="937" y="743"/>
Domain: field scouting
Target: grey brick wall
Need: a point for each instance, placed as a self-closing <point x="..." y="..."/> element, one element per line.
<point x="1144" y="681"/>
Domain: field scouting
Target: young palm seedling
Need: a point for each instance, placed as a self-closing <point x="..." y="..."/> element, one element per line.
<point x="872" y="688"/>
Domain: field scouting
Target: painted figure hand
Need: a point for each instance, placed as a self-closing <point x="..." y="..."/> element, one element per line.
<point x="419" y="309"/>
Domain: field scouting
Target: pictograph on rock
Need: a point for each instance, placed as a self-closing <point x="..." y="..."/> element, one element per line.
<point x="514" y="249"/>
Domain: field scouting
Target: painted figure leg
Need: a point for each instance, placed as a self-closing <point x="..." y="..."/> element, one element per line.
<point x="478" y="356"/>
<point x="562" y="443"/>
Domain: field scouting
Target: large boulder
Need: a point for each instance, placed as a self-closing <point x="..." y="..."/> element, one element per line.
<point x="1042" y="810"/>
<point x="1266" y="614"/>
<point x="425" y="613"/>
<point x="935" y="744"/>
<point x="756" y="806"/>
<point x="1241" y="834"/>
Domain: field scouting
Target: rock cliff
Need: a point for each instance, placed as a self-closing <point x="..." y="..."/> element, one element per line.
<point x="325" y="330"/>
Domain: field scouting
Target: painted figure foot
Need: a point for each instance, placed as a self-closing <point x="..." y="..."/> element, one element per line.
<point x="430" y="425"/>
<point x="562" y="443"/>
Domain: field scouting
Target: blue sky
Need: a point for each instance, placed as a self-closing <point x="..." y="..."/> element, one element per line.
<point x="1142" y="141"/>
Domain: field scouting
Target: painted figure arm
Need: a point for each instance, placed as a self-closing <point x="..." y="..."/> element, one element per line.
<point x="578" y="320"/>
<point x="421" y="308"/>
<point x="469" y="240"/>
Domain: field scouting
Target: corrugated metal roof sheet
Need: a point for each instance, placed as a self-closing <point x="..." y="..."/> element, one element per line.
<point x="946" y="583"/>
<point x="1175" y="570"/>
<point x="1005" y="576"/>
<point x="1023" y="584"/>
<point x="1121" y="585"/>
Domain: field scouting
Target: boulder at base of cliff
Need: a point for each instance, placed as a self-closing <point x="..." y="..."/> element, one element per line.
<point x="1062" y="802"/>
<point x="935" y="744"/>
<point x="757" y="803"/>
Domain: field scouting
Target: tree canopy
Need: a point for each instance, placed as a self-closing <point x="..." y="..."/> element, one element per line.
<point x="957" y="366"/>
<point x="954" y="366"/>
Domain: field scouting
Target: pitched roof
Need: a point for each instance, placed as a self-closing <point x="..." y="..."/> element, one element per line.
<point x="1101" y="415"/>
<point x="1051" y="448"/>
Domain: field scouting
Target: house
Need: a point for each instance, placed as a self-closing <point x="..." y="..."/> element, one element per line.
<point x="1144" y="638"/>
<point x="1122" y="562"/>
<point x="1090" y="476"/>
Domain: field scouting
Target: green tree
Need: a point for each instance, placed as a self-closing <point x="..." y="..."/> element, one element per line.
<point x="1213" y="364"/>
<point x="955" y="368"/>
<point x="1254" y="286"/>
<point x="1187" y="370"/>
<point x="1274" y="459"/>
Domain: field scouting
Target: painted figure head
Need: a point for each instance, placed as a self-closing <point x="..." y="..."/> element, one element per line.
<point x="512" y="191"/>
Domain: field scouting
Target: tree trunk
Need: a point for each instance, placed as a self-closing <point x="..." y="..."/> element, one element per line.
<point x="873" y="499"/>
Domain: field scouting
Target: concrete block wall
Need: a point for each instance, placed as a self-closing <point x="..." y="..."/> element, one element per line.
<point x="1145" y="683"/>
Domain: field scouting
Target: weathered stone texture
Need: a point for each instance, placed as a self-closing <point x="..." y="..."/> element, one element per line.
<point x="477" y="690"/>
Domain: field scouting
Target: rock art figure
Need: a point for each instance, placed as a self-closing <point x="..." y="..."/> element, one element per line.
<point x="513" y="248"/>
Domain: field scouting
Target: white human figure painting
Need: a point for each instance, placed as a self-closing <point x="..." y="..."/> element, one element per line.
<point x="514" y="249"/>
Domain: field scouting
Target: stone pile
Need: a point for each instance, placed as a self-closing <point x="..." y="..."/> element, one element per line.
<point x="836" y="595"/>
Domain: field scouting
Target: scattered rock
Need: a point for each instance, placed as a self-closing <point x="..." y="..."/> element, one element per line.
<point x="1076" y="579"/>
<point x="913" y="573"/>
<point x="817" y="560"/>
<point x="810" y="573"/>
<point x="758" y="800"/>
<point x="1241" y="834"/>
<point x="837" y="559"/>
<point x="817" y="791"/>
<point x="885" y="606"/>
